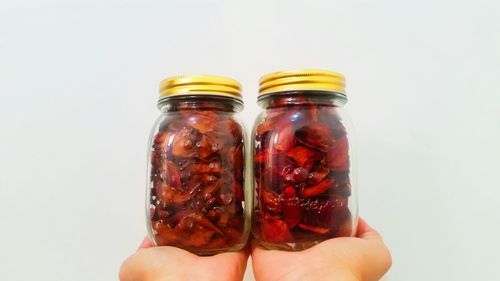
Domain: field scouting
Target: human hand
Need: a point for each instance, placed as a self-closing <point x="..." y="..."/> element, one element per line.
<point x="170" y="263"/>
<point x="361" y="258"/>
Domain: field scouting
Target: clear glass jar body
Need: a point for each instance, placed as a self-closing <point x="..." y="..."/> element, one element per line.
<point x="303" y="160"/>
<point x="195" y="192"/>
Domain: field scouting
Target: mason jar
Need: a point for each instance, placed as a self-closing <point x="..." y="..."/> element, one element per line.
<point x="305" y="180"/>
<point x="196" y="187"/>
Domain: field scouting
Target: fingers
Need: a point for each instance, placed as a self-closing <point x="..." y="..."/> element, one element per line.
<point x="146" y="243"/>
<point x="365" y="256"/>
<point x="170" y="263"/>
<point x="379" y="258"/>
<point x="148" y="263"/>
<point x="277" y="265"/>
<point x="366" y="232"/>
<point x="234" y="264"/>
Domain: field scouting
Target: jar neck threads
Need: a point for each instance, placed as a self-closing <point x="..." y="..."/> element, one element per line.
<point x="200" y="102"/>
<point x="303" y="98"/>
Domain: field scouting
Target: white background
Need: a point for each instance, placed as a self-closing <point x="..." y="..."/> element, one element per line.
<point x="79" y="82"/>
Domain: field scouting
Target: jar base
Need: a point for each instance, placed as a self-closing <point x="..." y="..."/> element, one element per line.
<point x="292" y="246"/>
<point x="212" y="252"/>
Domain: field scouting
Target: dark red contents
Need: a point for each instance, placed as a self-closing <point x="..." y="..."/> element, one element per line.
<point x="302" y="173"/>
<point x="197" y="181"/>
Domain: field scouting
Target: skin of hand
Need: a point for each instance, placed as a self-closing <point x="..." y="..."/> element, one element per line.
<point x="361" y="258"/>
<point x="170" y="263"/>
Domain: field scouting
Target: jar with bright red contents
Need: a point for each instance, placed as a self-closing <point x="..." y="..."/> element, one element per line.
<point x="304" y="177"/>
<point x="195" y="193"/>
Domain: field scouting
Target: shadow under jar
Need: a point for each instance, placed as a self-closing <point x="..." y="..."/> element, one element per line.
<point x="304" y="182"/>
<point x="195" y="195"/>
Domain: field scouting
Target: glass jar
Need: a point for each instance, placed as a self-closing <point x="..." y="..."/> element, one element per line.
<point x="304" y="181"/>
<point x="195" y="191"/>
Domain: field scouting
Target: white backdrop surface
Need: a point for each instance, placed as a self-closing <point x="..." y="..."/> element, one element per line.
<point x="78" y="89"/>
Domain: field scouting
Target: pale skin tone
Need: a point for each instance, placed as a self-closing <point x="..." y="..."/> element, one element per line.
<point x="361" y="258"/>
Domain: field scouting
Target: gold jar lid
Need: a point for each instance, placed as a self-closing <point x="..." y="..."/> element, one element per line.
<point x="200" y="85"/>
<point x="302" y="79"/>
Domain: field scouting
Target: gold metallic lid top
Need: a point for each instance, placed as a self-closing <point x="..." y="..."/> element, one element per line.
<point x="200" y="85"/>
<point x="302" y="79"/>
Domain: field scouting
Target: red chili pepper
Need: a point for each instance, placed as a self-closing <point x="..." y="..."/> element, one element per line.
<point x="292" y="211"/>
<point x="160" y="141"/>
<point x="275" y="230"/>
<point x="237" y="191"/>
<point x="197" y="177"/>
<point x="317" y="136"/>
<point x="317" y="175"/>
<point x="168" y="195"/>
<point x="317" y="189"/>
<point x="264" y="127"/>
<point x="203" y="121"/>
<point x="345" y="229"/>
<point x="304" y="157"/>
<point x="320" y="230"/>
<point x="270" y="200"/>
<point x="183" y="144"/>
<point x="284" y="139"/>
<point x="338" y="155"/>
<point x="261" y="157"/>
<point x="173" y="175"/>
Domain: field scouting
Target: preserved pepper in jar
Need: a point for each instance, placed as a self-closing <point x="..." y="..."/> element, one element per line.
<point x="305" y="187"/>
<point x="195" y="194"/>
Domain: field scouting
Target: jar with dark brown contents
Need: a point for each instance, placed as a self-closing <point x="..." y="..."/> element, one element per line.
<point x="304" y="181"/>
<point x="195" y="195"/>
